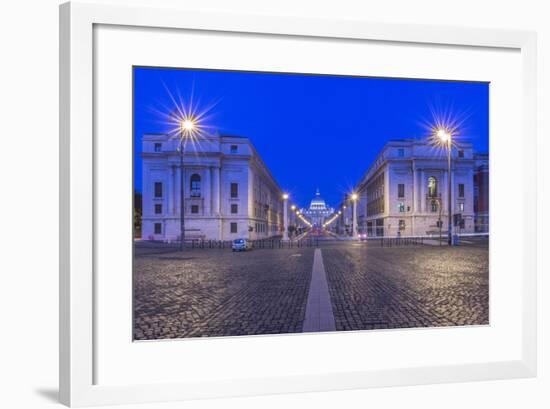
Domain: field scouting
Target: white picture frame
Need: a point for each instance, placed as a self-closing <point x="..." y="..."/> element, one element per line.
<point x="77" y="161"/>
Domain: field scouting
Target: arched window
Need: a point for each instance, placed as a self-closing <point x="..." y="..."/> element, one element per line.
<point x="432" y="186"/>
<point x="195" y="185"/>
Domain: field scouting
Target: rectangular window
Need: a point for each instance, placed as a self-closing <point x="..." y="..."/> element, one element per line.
<point x="461" y="190"/>
<point x="158" y="208"/>
<point x="461" y="207"/>
<point x="158" y="228"/>
<point x="401" y="190"/>
<point x="158" y="189"/>
<point x="234" y="208"/>
<point x="194" y="209"/>
<point x="401" y="224"/>
<point x="234" y="190"/>
<point x="233" y="227"/>
<point x="401" y="152"/>
<point x="158" y="147"/>
<point x="460" y="153"/>
<point x="234" y="149"/>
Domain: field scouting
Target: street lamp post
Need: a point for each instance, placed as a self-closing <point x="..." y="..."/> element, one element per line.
<point x="293" y="219"/>
<point x="446" y="138"/>
<point x="285" y="216"/>
<point x="354" y="222"/>
<point x="182" y="196"/>
<point x="186" y="127"/>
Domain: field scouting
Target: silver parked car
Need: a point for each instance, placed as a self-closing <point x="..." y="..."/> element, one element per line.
<point x="241" y="245"/>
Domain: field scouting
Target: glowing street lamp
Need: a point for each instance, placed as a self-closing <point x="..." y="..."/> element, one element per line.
<point x="445" y="138"/>
<point x="187" y="127"/>
<point x="443" y="135"/>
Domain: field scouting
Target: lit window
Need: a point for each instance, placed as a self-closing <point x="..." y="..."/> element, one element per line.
<point x="461" y="207"/>
<point x="158" y="147"/>
<point x="432" y="186"/>
<point x="401" y="207"/>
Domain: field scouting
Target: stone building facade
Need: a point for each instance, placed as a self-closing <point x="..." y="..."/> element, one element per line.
<point x="404" y="192"/>
<point x="229" y="193"/>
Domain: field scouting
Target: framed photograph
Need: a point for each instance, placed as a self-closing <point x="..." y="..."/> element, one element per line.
<point x="258" y="204"/>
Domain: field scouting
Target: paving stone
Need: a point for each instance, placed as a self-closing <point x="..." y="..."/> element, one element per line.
<point x="210" y="292"/>
<point x="404" y="287"/>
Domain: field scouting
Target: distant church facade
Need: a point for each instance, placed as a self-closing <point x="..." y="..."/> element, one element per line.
<point x="318" y="211"/>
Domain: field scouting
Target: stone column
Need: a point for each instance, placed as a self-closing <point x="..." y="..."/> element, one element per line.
<point x="215" y="190"/>
<point x="174" y="198"/>
<point x="169" y="191"/>
<point x="414" y="190"/>
<point x="422" y="197"/>
<point x="207" y="192"/>
<point x="180" y="174"/>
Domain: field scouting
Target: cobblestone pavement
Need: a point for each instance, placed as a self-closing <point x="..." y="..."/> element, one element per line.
<point x="212" y="292"/>
<point x="374" y="287"/>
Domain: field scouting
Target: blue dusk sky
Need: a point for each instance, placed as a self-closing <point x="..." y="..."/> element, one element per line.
<point x="312" y="131"/>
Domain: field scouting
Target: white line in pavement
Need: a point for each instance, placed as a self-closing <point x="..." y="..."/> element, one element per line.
<point x="319" y="315"/>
